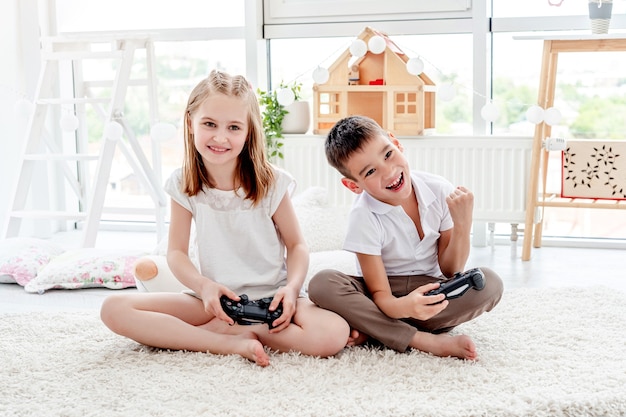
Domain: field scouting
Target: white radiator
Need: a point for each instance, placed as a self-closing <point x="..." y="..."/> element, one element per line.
<point x="495" y="169"/>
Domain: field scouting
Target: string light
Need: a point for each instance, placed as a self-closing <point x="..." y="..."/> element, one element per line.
<point x="69" y="122"/>
<point x="377" y="44"/>
<point x="162" y="132"/>
<point x="285" y="96"/>
<point x="415" y="66"/>
<point x="113" y="131"/>
<point x="535" y="114"/>
<point x="446" y="92"/>
<point x="358" y="48"/>
<point x="552" y="116"/>
<point x="490" y="112"/>
<point x="320" y="75"/>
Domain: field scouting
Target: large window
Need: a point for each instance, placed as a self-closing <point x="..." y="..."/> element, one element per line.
<point x="182" y="57"/>
<point x="194" y="36"/>
<point x="589" y="93"/>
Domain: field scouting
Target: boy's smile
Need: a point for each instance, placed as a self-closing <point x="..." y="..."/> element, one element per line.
<point x="397" y="184"/>
<point x="381" y="169"/>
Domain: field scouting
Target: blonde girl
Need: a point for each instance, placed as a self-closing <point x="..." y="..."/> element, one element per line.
<point x="248" y="241"/>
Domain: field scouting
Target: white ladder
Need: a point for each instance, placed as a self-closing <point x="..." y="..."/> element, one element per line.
<point x="40" y="146"/>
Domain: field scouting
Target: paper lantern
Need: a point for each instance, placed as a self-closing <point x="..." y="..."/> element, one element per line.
<point x="358" y="48"/>
<point x="163" y="131"/>
<point x="415" y="66"/>
<point x="552" y="116"/>
<point x="490" y="112"/>
<point x="446" y="92"/>
<point x="113" y="131"/>
<point x="535" y="114"/>
<point x="69" y="122"/>
<point x="376" y="44"/>
<point x="285" y="96"/>
<point x="320" y="75"/>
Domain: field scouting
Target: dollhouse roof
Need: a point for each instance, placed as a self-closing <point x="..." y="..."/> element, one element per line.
<point x="395" y="61"/>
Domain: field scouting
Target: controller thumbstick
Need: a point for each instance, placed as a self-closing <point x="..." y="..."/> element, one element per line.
<point x="478" y="280"/>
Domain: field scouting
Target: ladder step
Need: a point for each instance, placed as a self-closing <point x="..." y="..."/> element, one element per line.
<point x="75" y="100"/>
<point x="47" y="214"/>
<point x="60" y="157"/>
<point x="107" y="83"/>
<point x="74" y="55"/>
<point x="128" y="210"/>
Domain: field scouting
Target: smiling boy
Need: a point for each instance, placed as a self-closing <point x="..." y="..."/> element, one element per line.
<point x="410" y="231"/>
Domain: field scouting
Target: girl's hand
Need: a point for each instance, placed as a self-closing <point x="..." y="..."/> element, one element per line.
<point x="424" y="307"/>
<point x="210" y="294"/>
<point x="288" y="297"/>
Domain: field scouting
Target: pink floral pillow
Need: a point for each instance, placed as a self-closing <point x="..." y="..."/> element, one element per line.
<point x="87" y="268"/>
<point x="21" y="258"/>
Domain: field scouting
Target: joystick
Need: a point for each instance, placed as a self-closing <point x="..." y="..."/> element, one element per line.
<point x="460" y="283"/>
<point x="246" y="311"/>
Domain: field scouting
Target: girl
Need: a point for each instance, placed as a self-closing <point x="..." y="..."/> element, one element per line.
<point x="245" y="223"/>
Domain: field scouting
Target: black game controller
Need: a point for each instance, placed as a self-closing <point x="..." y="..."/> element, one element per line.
<point x="246" y="311"/>
<point x="460" y="283"/>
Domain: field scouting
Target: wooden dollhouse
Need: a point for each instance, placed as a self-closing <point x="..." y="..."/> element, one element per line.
<point x="378" y="86"/>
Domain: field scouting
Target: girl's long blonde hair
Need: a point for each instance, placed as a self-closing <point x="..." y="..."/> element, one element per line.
<point x="253" y="172"/>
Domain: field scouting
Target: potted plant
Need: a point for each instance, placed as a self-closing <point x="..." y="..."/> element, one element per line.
<point x="279" y="119"/>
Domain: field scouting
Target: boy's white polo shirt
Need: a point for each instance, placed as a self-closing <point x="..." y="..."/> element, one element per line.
<point x="377" y="228"/>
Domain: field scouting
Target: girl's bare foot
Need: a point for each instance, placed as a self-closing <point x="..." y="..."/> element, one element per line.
<point x="444" y="345"/>
<point x="219" y="326"/>
<point x="356" y="338"/>
<point x="248" y="346"/>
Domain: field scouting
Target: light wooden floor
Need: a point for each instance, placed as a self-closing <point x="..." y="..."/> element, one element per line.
<point x="548" y="267"/>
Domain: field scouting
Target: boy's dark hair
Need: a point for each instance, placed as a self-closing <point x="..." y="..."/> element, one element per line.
<point x="346" y="137"/>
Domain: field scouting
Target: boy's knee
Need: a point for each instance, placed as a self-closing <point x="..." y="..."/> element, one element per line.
<point x="320" y="286"/>
<point x="494" y="285"/>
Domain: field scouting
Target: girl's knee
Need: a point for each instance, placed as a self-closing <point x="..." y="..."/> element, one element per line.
<point x="334" y="337"/>
<point x="112" y="311"/>
<point x="326" y="332"/>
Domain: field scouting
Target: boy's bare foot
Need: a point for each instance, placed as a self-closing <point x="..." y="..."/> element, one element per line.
<point x="444" y="345"/>
<point x="356" y="338"/>
<point x="251" y="348"/>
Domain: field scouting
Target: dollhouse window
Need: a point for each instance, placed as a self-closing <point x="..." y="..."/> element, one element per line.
<point x="406" y="103"/>
<point x="329" y="103"/>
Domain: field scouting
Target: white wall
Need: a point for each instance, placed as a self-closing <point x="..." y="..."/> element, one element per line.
<point x="19" y="40"/>
<point x="10" y="90"/>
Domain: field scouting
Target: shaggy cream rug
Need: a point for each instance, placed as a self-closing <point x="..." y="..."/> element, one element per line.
<point x="551" y="352"/>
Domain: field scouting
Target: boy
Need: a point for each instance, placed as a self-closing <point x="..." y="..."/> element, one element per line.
<point x="410" y="230"/>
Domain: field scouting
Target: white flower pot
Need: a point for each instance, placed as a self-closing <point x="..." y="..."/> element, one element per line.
<point x="298" y="118"/>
